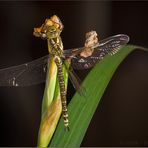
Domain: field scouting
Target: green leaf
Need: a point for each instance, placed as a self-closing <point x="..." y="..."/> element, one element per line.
<point x="82" y="108"/>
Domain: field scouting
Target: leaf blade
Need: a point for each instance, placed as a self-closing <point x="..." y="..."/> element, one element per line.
<point x="80" y="109"/>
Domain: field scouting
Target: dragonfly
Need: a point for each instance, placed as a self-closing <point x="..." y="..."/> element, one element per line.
<point x="85" y="57"/>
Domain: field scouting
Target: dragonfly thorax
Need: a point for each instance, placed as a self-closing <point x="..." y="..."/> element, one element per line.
<point x="55" y="47"/>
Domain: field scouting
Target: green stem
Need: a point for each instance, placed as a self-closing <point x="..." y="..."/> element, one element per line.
<point x="51" y="108"/>
<point x="50" y="85"/>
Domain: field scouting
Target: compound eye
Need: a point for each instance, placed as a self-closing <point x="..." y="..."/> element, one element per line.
<point x="49" y="22"/>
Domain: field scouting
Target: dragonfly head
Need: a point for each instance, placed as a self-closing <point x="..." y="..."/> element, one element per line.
<point x="50" y="29"/>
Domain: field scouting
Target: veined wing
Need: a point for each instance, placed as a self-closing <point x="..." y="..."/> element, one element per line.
<point x="35" y="72"/>
<point x="26" y="74"/>
<point x="107" y="46"/>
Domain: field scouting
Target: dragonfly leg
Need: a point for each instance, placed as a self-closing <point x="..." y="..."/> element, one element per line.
<point x="75" y="81"/>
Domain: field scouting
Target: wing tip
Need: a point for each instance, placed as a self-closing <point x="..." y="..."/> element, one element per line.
<point x="123" y="37"/>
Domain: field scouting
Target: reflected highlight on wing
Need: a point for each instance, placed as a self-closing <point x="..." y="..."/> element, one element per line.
<point x="108" y="46"/>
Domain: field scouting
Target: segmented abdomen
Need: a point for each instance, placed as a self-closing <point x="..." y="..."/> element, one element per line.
<point x="62" y="91"/>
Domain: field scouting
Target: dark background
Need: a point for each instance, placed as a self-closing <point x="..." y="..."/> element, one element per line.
<point x="121" y="118"/>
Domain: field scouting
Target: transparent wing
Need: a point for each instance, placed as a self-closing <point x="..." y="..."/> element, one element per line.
<point x="35" y="72"/>
<point x="26" y="74"/>
<point x="109" y="46"/>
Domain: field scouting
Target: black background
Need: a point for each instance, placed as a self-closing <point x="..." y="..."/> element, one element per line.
<point x="121" y="118"/>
